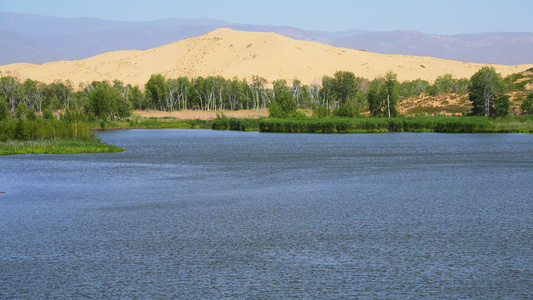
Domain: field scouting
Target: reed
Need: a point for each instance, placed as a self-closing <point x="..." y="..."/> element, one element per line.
<point x="49" y="136"/>
<point x="245" y="124"/>
<point x="412" y="124"/>
<point x="152" y="122"/>
<point x="58" y="146"/>
<point x="43" y="129"/>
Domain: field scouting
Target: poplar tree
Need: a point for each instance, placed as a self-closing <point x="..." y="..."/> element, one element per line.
<point x="383" y="96"/>
<point x="487" y="94"/>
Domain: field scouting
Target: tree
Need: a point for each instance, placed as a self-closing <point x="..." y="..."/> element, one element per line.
<point x="33" y="93"/>
<point x="5" y="113"/>
<point x="344" y="91"/>
<point x="183" y="85"/>
<point x="383" y="96"/>
<point x="296" y="90"/>
<point x="137" y="98"/>
<point x="234" y="92"/>
<point x="347" y="110"/>
<point x="344" y="88"/>
<point x="527" y="104"/>
<point x="156" y="90"/>
<point x="325" y="96"/>
<point x="411" y="88"/>
<point x="259" y="98"/>
<point x="10" y="89"/>
<point x="487" y="94"/>
<point x="22" y="111"/>
<point x="103" y="100"/>
<point x="61" y="93"/>
<point x="283" y="105"/>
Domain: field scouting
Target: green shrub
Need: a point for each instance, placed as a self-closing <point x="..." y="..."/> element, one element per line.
<point x="48" y="114"/>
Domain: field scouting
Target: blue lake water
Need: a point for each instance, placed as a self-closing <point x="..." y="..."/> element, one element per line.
<point x="199" y="214"/>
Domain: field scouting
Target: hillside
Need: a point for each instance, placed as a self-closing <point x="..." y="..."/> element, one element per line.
<point x="230" y="54"/>
<point x="39" y="39"/>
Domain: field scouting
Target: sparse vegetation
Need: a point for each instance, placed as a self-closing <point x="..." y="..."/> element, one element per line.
<point x="29" y="110"/>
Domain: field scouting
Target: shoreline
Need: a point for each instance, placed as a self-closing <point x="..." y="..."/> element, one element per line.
<point x="188" y="114"/>
<point x="60" y="146"/>
<point x="516" y="124"/>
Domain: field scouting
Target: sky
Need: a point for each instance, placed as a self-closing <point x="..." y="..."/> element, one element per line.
<point x="427" y="16"/>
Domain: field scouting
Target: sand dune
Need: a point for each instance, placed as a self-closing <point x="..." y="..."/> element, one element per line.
<point x="230" y="54"/>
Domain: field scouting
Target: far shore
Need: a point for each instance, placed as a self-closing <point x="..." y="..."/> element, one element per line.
<point x="188" y="114"/>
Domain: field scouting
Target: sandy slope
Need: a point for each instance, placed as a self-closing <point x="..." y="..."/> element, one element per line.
<point x="230" y="54"/>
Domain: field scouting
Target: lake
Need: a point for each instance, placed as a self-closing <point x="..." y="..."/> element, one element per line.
<point x="199" y="214"/>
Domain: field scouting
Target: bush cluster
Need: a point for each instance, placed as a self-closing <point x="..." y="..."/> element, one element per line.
<point x="222" y="123"/>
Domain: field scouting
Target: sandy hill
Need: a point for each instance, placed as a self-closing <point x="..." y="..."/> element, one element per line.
<point x="230" y="54"/>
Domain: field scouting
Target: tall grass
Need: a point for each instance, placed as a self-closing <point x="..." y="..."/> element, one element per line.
<point x="49" y="136"/>
<point x="151" y="122"/>
<point x="222" y="123"/>
<point x="413" y="124"/>
<point x="43" y="129"/>
<point x="58" y="146"/>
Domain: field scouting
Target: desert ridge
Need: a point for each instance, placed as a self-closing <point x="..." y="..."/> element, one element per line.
<point x="229" y="53"/>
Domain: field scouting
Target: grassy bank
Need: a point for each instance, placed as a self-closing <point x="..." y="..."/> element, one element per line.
<point x="50" y="136"/>
<point x="59" y="146"/>
<point x="514" y="124"/>
<point x="222" y="123"/>
<point x="523" y="124"/>
<point x="149" y="123"/>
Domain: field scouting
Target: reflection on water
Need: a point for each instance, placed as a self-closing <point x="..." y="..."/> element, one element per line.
<point x="212" y="214"/>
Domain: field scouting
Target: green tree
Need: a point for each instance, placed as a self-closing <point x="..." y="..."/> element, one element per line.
<point x="325" y="96"/>
<point x="11" y="90"/>
<point x="156" y="90"/>
<point x="22" y="111"/>
<point x="444" y="83"/>
<point x="487" y="94"/>
<point x="527" y="104"/>
<point x="344" y="88"/>
<point x="296" y="91"/>
<point x="48" y="114"/>
<point x="278" y="87"/>
<point x="411" y="88"/>
<point x="234" y="94"/>
<point x="61" y="93"/>
<point x="123" y="105"/>
<point x="257" y="91"/>
<point x="33" y="94"/>
<point x="5" y="113"/>
<point x="348" y="109"/>
<point x="383" y="96"/>
<point x="137" y="99"/>
<point x="103" y="100"/>
<point x="283" y="105"/>
<point x="344" y="93"/>
<point x="22" y="130"/>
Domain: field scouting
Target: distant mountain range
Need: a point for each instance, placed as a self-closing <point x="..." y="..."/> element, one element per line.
<point x="38" y="39"/>
<point x="243" y="55"/>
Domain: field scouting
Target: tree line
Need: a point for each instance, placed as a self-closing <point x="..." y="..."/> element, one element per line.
<point x="344" y="94"/>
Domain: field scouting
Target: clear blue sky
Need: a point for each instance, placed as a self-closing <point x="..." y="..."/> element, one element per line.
<point x="428" y="16"/>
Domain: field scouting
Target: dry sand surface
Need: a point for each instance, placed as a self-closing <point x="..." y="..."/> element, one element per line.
<point x="230" y="54"/>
